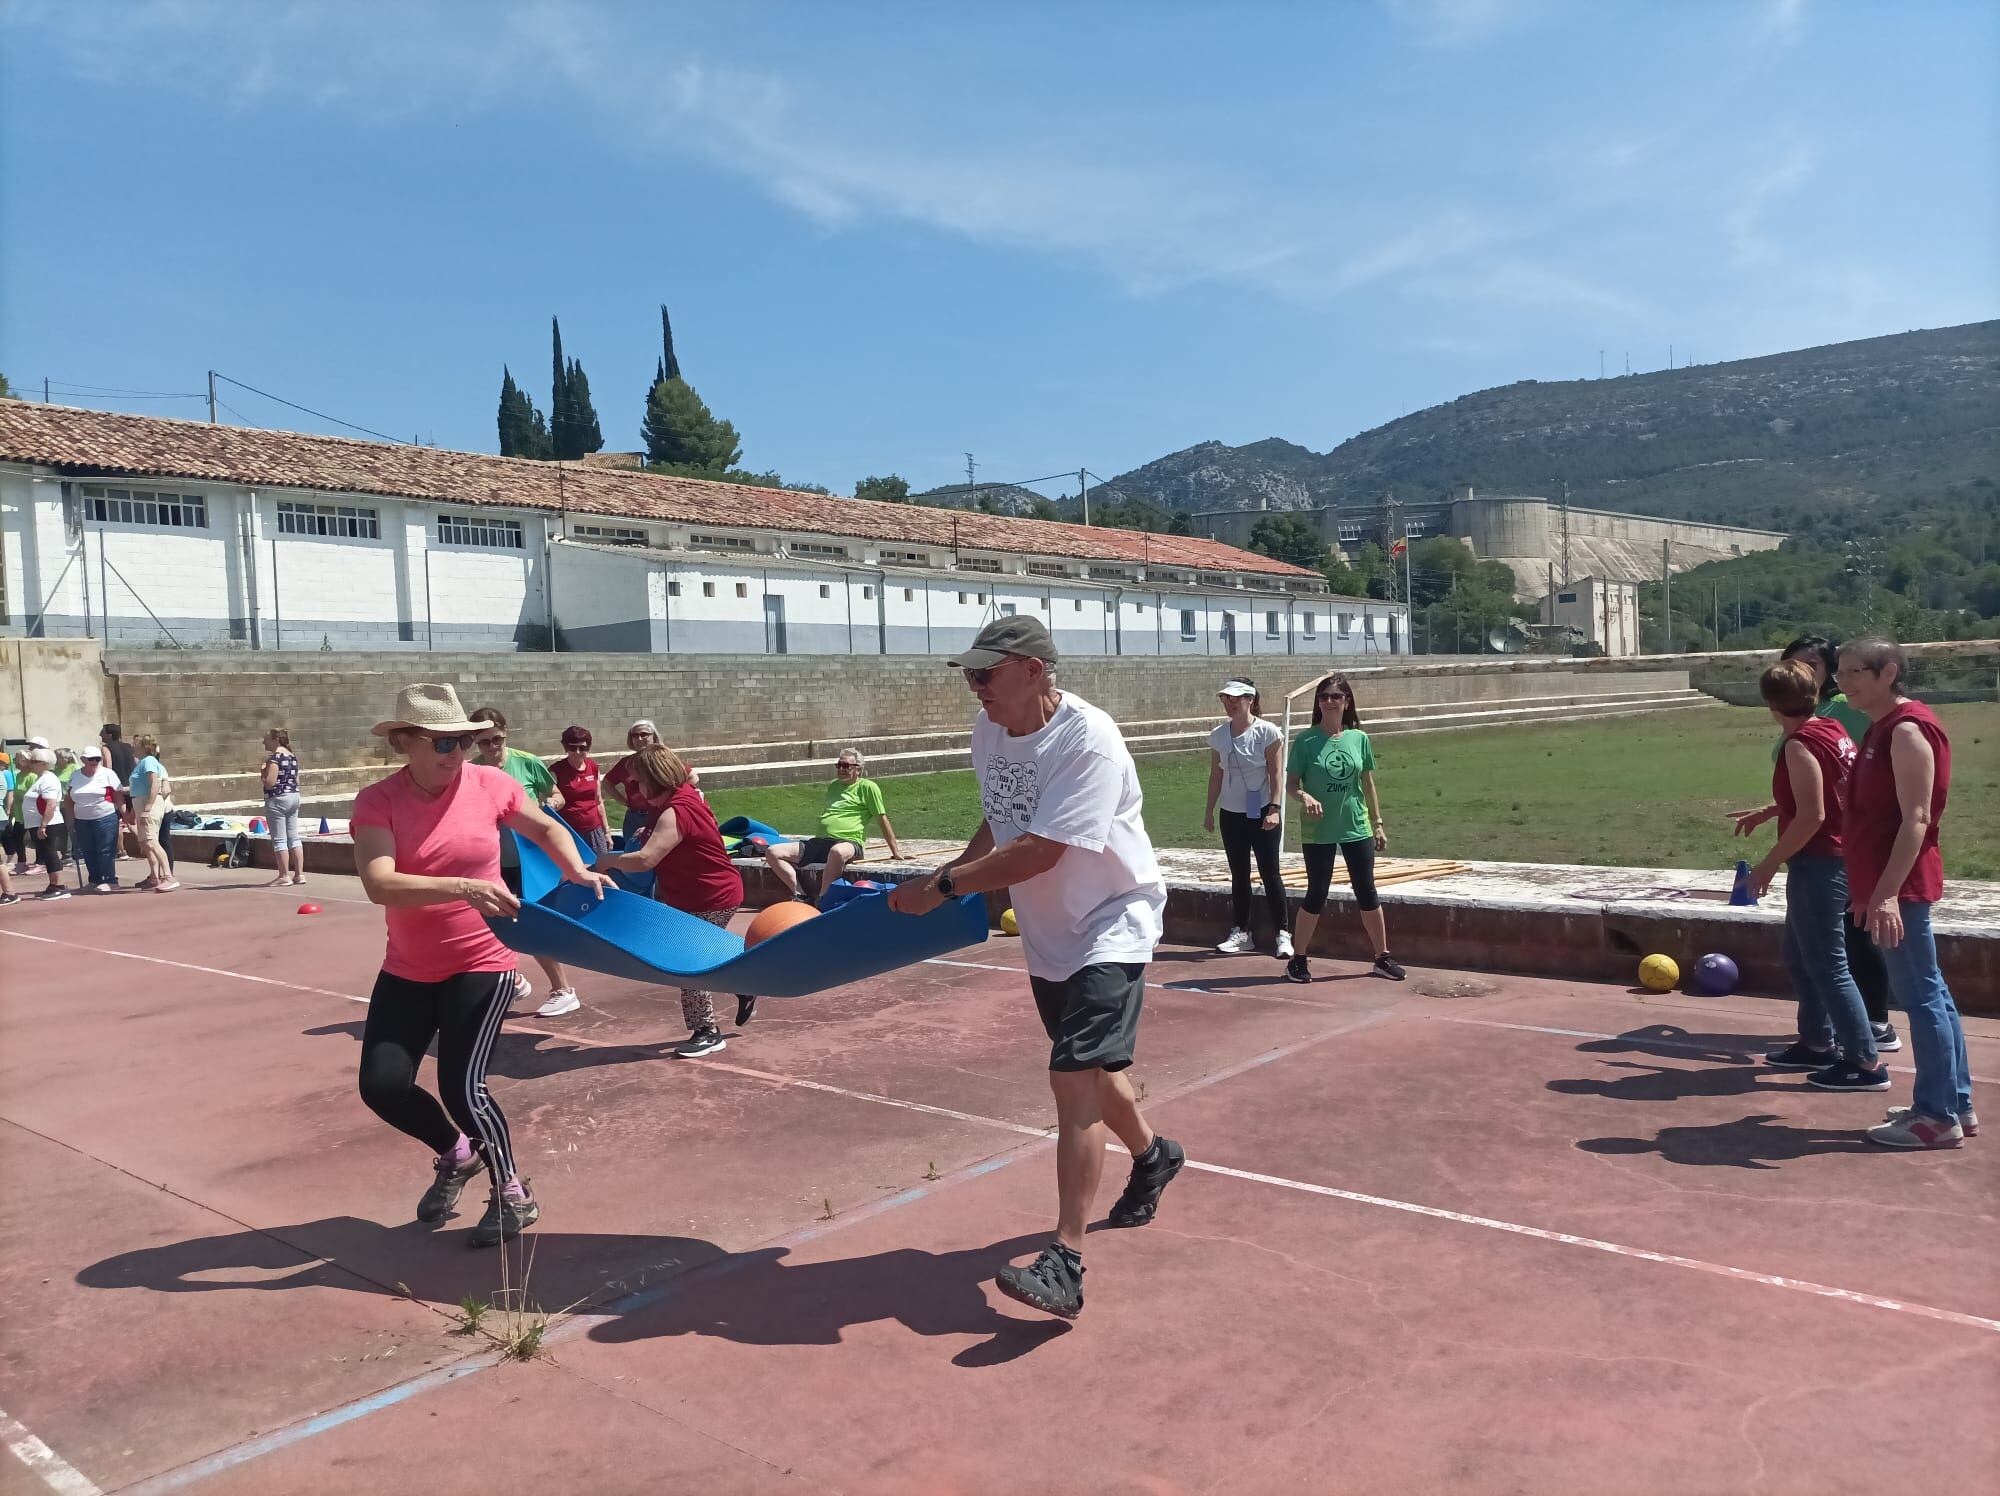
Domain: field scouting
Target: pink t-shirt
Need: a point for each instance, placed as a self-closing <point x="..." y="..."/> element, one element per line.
<point x="451" y="836"/>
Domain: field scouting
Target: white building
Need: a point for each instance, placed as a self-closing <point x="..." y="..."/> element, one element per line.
<point x="1605" y="613"/>
<point x="139" y="531"/>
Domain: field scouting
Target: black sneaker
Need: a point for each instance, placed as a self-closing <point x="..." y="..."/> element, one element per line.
<point x="9" y="898"/>
<point x="1053" y="1282"/>
<point x="701" y="1042"/>
<point x="505" y="1219"/>
<point x="1887" y="1040"/>
<point x="445" y="1189"/>
<point x="1845" y="1075"/>
<point x="1142" y="1191"/>
<point x="1296" y="970"/>
<point x="1797" y="1056"/>
<point x="1386" y="966"/>
<point x="746" y="1009"/>
<point x="50" y="895"/>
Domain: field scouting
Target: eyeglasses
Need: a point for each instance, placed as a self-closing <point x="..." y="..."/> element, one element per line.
<point x="1336" y="694"/>
<point x="451" y="743"/>
<point x="497" y="740"/>
<point x="845" y="764"/>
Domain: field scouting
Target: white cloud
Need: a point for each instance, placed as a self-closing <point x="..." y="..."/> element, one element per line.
<point x="1743" y="222"/>
<point x="1783" y="21"/>
<point x="1462" y="23"/>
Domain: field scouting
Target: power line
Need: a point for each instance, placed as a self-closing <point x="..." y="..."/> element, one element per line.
<point x="109" y="389"/>
<point x="318" y="414"/>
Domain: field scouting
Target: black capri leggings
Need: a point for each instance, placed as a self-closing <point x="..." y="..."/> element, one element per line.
<point x="463" y="1014"/>
<point x="1241" y="835"/>
<point x="1360" y="858"/>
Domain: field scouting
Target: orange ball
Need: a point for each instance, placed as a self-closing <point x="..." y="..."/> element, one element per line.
<point x="777" y="917"/>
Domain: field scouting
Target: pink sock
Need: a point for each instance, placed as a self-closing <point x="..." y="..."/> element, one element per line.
<point x="515" y="1190"/>
<point x="461" y="1150"/>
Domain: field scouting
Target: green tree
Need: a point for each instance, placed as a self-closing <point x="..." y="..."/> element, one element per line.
<point x="523" y="432"/>
<point x="1287" y="537"/>
<point x="681" y="432"/>
<point x="585" y="435"/>
<point x="890" y="489"/>
<point x="6" y="389"/>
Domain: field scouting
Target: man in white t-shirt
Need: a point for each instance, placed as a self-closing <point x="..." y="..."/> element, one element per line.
<point x="1063" y="833"/>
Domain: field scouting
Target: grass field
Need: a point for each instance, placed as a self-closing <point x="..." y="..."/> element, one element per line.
<point x="1633" y="791"/>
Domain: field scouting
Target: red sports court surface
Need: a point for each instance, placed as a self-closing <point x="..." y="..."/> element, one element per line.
<point x="1469" y="1233"/>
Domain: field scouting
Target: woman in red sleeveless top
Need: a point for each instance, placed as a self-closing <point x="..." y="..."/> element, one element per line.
<point x="1895" y="872"/>
<point x="1809" y="787"/>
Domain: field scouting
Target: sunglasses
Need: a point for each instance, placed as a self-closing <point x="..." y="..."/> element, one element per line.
<point x="450" y="743"/>
<point x="496" y="740"/>
<point x="1336" y="694"/>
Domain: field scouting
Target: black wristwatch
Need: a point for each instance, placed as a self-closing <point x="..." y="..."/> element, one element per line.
<point x="1272" y="809"/>
<point x="944" y="883"/>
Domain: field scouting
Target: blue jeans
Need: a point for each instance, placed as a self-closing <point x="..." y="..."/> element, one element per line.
<point x="1830" y="1007"/>
<point x="1937" y="1038"/>
<point x="96" y="842"/>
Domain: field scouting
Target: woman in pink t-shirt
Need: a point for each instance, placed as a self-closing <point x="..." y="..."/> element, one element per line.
<point x="426" y="849"/>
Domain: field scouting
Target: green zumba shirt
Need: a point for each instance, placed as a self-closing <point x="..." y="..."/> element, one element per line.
<point x="1330" y="767"/>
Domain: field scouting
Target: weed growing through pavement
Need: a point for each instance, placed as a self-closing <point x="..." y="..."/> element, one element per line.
<point x="931" y="1172"/>
<point x="826" y="1209"/>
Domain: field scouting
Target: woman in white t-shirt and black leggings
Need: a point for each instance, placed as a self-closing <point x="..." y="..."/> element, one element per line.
<point x="1245" y="777"/>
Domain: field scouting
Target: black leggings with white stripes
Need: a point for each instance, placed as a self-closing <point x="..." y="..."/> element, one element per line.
<point x="463" y="1014"/>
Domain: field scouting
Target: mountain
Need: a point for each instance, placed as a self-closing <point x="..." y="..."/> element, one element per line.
<point x="1760" y="441"/>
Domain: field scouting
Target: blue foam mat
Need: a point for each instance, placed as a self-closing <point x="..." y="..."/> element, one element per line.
<point x="627" y="935"/>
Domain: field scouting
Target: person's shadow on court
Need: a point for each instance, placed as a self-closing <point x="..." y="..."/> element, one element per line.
<point x="1668" y="1041"/>
<point x="533" y="1056"/>
<point x="1754" y="1142"/>
<point x="1666" y="1083"/>
<point x="757" y="1298"/>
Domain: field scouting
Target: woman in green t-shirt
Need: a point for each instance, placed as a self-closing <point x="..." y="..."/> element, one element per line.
<point x="1331" y="773"/>
<point x="1864" y="961"/>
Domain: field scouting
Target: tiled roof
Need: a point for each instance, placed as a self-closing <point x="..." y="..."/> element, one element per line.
<point x="91" y="442"/>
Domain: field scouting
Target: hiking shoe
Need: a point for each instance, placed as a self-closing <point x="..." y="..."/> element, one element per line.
<point x="1143" y="1190"/>
<point x="1296" y="970"/>
<point x="1887" y="1040"/>
<point x="746" y="1009"/>
<point x="1914" y="1130"/>
<point x="1386" y="965"/>
<point x="506" y="1218"/>
<point x="562" y="1000"/>
<point x="1053" y="1282"/>
<point x="1237" y="943"/>
<point x="1284" y="945"/>
<point x="1800" y="1057"/>
<point x="701" y="1042"/>
<point x="1968" y="1120"/>
<point x="50" y="895"/>
<point x="1845" y="1075"/>
<point x="445" y="1189"/>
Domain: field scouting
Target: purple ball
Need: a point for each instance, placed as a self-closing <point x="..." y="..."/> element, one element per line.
<point x="1715" y="975"/>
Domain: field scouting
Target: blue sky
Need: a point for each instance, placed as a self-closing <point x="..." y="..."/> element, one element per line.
<point x="1053" y="235"/>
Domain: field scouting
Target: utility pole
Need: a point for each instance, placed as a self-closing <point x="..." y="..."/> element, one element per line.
<point x="45" y="389"/>
<point x="1083" y="491"/>
<point x="1389" y="508"/>
<point x="1715" y="602"/>
<point x="1567" y="576"/>
<point x="1600" y="363"/>
<point x="211" y="397"/>
<point x="1666" y="597"/>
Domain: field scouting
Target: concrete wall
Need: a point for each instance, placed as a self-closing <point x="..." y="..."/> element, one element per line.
<point x="52" y="688"/>
<point x="211" y="709"/>
<point x="1643" y="530"/>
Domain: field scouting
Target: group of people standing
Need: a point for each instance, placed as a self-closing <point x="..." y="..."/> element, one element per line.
<point x="62" y="804"/>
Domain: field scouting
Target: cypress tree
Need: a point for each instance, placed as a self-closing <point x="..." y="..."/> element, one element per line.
<point x="670" y="367"/>
<point x="559" y="397"/>
<point x="680" y="431"/>
<point x="584" y="433"/>
<point x="523" y="432"/>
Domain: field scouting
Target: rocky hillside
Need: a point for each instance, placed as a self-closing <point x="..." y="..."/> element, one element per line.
<point x="1762" y="441"/>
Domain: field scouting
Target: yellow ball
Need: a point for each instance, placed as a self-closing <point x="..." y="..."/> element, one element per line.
<point x="1008" y="923"/>
<point x="1659" y="973"/>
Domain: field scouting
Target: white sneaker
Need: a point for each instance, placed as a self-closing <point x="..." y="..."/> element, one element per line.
<point x="562" y="1000"/>
<point x="523" y="988"/>
<point x="1238" y="942"/>
<point x="1284" y="945"/>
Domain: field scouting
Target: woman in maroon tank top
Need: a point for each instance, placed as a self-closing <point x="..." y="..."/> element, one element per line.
<point x="1895" y="872"/>
<point x="1809" y="787"/>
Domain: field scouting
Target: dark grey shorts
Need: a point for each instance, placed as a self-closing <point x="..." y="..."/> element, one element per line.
<point x="1092" y="1015"/>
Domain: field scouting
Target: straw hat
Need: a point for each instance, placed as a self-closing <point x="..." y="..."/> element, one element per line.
<point x="427" y="707"/>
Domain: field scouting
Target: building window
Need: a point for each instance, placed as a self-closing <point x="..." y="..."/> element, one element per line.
<point x="980" y="598"/>
<point x="1215" y="579"/>
<point x="824" y="590"/>
<point x="742" y="589"/>
<point x="1047" y="569"/>
<point x="479" y="529"/>
<point x="868" y="593"/>
<point x="1112" y="573"/>
<point x="978" y="563"/>
<point x="673" y="589"/>
<point x="1565" y="597"/>
<point x="961" y="597"/>
<point x="909" y="594"/>
<point x="1079" y="603"/>
<point x="815" y="548"/>
<point x="708" y="589"/>
<point x="1187" y="623"/>
<point x="341" y="520"/>
<point x="1138" y="607"/>
<point x="905" y="558"/>
<point x="1271" y="624"/>
<point x="144" y="506"/>
<point x="608" y="535"/>
<point x="1008" y="609"/>
<point x="1349" y="534"/>
<point x="1417" y="527"/>
<point x="1312" y="625"/>
<point x="722" y="542"/>
<point x="1346" y="624"/>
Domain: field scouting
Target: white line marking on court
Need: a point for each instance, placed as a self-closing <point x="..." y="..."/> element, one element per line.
<point x="1644" y="1254"/>
<point x="208" y="971"/>
<point x="57" y="1473"/>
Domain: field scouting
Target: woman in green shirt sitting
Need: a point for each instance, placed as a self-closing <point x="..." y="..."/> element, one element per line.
<point x="1864" y="961"/>
<point x="1331" y="773"/>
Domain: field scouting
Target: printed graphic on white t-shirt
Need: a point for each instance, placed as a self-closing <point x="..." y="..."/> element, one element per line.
<point x="1074" y="782"/>
<point x="1246" y="780"/>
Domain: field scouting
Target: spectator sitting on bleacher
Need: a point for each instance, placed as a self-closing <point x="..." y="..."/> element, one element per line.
<point x="852" y="803"/>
